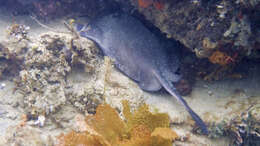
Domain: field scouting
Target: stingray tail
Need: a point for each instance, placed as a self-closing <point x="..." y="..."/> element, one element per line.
<point x="172" y="90"/>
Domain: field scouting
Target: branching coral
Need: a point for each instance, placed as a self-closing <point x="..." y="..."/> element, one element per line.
<point x="142" y="128"/>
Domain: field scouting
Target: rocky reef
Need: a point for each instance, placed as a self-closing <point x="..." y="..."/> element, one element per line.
<point x="59" y="75"/>
<point x="39" y="67"/>
<point x="202" y="26"/>
<point x="206" y="26"/>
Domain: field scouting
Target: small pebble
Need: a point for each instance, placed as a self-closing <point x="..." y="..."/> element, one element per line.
<point x="2" y="85"/>
<point x="210" y="93"/>
<point x="40" y="121"/>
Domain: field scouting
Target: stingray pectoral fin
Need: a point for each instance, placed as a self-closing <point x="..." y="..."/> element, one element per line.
<point x="175" y="78"/>
<point x="83" y="34"/>
<point x="172" y="90"/>
<point x="149" y="82"/>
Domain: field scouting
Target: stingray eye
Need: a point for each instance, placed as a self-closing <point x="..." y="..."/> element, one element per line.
<point x="178" y="71"/>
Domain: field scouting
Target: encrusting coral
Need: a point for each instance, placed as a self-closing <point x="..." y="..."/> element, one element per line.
<point x="46" y="64"/>
<point x="219" y="58"/>
<point x="158" y="4"/>
<point x="140" y="128"/>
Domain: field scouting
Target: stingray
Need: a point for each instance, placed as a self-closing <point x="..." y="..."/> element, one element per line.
<point x="138" y="53"/>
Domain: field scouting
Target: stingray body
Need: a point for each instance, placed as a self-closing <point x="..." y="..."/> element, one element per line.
<point x="138" y="53"/>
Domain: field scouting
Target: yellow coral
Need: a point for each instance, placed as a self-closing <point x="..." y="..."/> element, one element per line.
<point x="140" y="136"/>
<point x="142" y="116"/>
<point x="107" y="123"/>
<point x="81" y="139"/>
<point x="165" y="133"/>
<point x="142" y="128"/>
